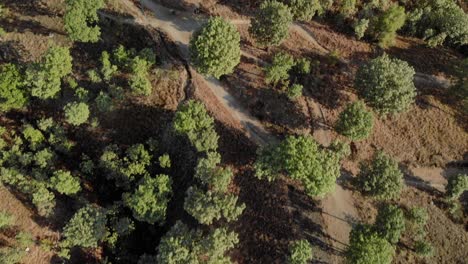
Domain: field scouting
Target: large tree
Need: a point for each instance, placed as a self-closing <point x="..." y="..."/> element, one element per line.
<point x="390" y="223"/>
<point x="215" y="49"/>
<point x="12" y="93"/>
<point x="367" y="247"/>
<point x="86" y="228"/>
<point x="81" y="18"/>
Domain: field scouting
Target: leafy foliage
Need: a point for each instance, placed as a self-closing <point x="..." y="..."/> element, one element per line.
<point x="367" y="247"/>
<point x="360" y="28"/>
<point x="65" y="183"/>
<point x="279" y="69"/>
<point x="386" y="84"/>
<point x="12" y="93"/>
<point x="270" y="25"/>
<point x="390" y="223"/>
<point x="149" y="200"/>
<point x="86" y="228"/>
<point x="181" y="245"/>
<point x="139" y="80"/>
<point x="76" y="113"/>
<point x="192" y="120"/>
<point x="108" y="70"/>
<point x="385" y="26"/>
<point x="355" y="122"/>
<point x="303" y="10"/>
<point x="300" y="252"/>
<point x="80" y="19"/>
<point x="44" y="78"/>
<point x="424" y="248"/>
<point x="165" y="161"/>
<point x="381" y="177"/>
<point x="215" y="49"/>
<point x="295" y="91"/>
<point x="6" y="220"/>
<point x="457" y="184"/>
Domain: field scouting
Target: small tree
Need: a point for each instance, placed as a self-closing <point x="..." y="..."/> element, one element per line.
<point x="12" y="93"/>
<point x="270" y="25"/>
<point x="303" y="10"/>
<point x="360" y="28"/>
<point x="6" y="220"/>
<point x="390" y="223"/>
<point x="355" y="122"/>
<point x="381" y="177"/>
<point x="76" y="113"/>
<point x="86" y="228"/>
<point x="279" y="69"/>
<point x="385" y="26"/>
<point x="65" y="183"/>
<point x="107" y="69"/>
<point x="300" y="252"/>
<point x="386" y="84"/>
<point x="43" y="199"/>
<point x="295" y="91"/>
<point x="215" y="49"/>
<point x="81" y="18"/>
<point x="457" y="184"/>
<point x="367" y="247"/>
<point x="150" y="199"/>
<point x="139" y="80"/>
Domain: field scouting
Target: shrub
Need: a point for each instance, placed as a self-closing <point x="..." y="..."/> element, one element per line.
<point x="12" y="93"/>
<point x="390" y="223"/>
<point x="300" y="252"/>
<point x="295" y="91"/>
<point x="386" y="84"/>
<point x="44" y="77"/>
<point x="192" y="120"/>
<point x="81" y="18"/>
<point x="65" y="183"/>
<point x="6" y="220"/>
<point x="93" y="76"/>
<point x="165" y="161"/>
<point x="367" y="247"/>
<point x="107" y="69"/>
<point x="270" y="24"/>
<point x="213" y="177"/>
<point x="302" y="66"/>
<point x="424" y="248"/>
<point x="104" y="102"/>
<point x="348" y="8"/>
<point x="355" y="122"/>
<point x="360" y="28"/>
<point x="385" y="26"/>
<point x="24" y="239"/>
<point x="418" y="217"/>
<point x="33" y="136"/>
<point x="44" y="200"/>
<point x="215" y="49"/>
<point x="457" y="184"/>
<point x="182" y="245"/>
<point x="11" y="255"/>
<point x="279" y="69"/>
<point x="303" y="10"/>
<point x="82" y="94"/>
<point x="86" y="228"/>
<point x="150" y="198"/>
<point x="76" y="113"/>
<point x="381" y="177"/>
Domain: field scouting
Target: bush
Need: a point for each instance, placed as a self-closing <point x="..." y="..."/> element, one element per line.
<point x="390" y="223"/>
<point x="104" y="102"/>
<point x="81" y="18"/>
<point x="139" y="80"/>
<point x="300" y="252"/>
<point x="182" y="245"/>
<point x="424" y="248"/>
<point x="107" y="69"/>
<point x="457" y="184"/>
<point x="213" y="177"/>
<point x="65" y="183"/>
<point x="295" y="91"/>
<point x="12" y="93"/>
<point x="6" y="220"/>
<point x="270" y="26"/>
<point x="86" y="228"/>
<point x="381" y="177"/>
<point x="385" y="26"/>
<point x="44" y="200"/>
<point x="33" y="136"/>
<point x="303" y="10"/>
<point x="76" y="113"/>
<point x="215" y="49"/>
<point x="348" y="8"/>
<point x="150" y="198"/>
<point x="192" y="120"/>
<point x="361" y="27"/>
<point x="165" y="161"/>
<point x="367" y="247"/>
<point x="44" y="77"/>
<point x="279" y="69"/>
<point x="355" y="122"/>
<point x="418" y="217"/>
<point x="386" y="84"/>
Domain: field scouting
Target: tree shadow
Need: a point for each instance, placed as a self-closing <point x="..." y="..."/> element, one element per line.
<point x="22" y="26"/>
<point x="28" y="7"/>
<point x="12" y="52"/>
<point x="244" y="7"/>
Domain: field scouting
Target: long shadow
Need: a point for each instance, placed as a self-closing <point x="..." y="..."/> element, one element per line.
<point x="21" y="26"/>
<point x="411" y="180"/>
<point x="244" y="7"/>
<point x="28" y="7"/>
<point x="12" y="52"/>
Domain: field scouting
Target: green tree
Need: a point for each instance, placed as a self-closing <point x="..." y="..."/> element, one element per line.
<point x="270" y="24"/>
<point x="193" y="120"/>
<point x="86" y="228"/>
<point x="44" y="78"/>
<point x="215" y="49"/>
<point x="381" y="177"/>
<point x="355" y="122"/>
<point x="295" y="91"/>
<point x="149" y="200"/>
<point x="76" y="113"/>
<point x="360" y="28"/>
<point x="139" y="80"/>
<point x="107" y="69"/>
<point x="390" y="223"/>
<point x="457" y="184"/>
<point x="12" y="93"/>
<point x="65" y="183"/>
<point x="279" y="69"/>
<point x="300" y="252"/>
<point x="81" y="18"/>
<point x="303" y="10"/>
<point x="386" y="84"/>
<point x="165" y="161"/>
<point x="43" y="199"/>
<point x="385" y="26"/>
<point x="367" y="247"/>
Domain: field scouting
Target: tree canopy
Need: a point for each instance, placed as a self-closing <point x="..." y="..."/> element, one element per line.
<point x="86" y="228"/>
<point x="300" y="252"/>
<point x="76" y="113"/>
<point x="367" y="247"/>
<point x="12" y="93"/>
<point x="390" y="223"/>
<point x="80" y="20"/>
<point x="355" y="122"/>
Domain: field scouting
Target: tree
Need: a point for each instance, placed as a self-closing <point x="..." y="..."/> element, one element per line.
<point x="107" y="69"/>
<point x="385" y="26"/>
<point x="76" y="113"/>
<point x="457" y="184"/>
<point x="139" y="80"/>
<point x="381" y="177"/>
<point x="81" y="18"/>
<point x="355" y="122"/>
<point x="303" y="10"/>
<point x="367" y="247"/>
<point x="386" y="84"/>
<point x="390" y="223"/>
<point x="215" y="49"/>
<point x="213" y="177"/>
<point x="192" y="120"/>
<point x="149" y="200"/>
<point x="295" y="91"/>
<point x="181" y="245"/>
<point x="300" y="252"/>
<point x="360" y="28"/>
<point x="44" y="77"/>
<point x="65" y="183"/>
<point x="43" y="199"/>
<point x="279" y="69"/>
<point x="86" y="228"/>
<point x="12" y="93"/>
<point x="270" y="24"/>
